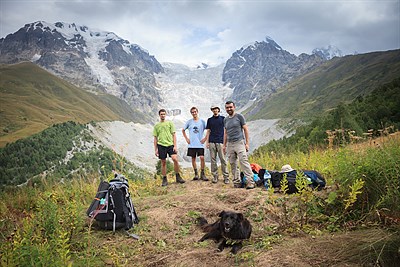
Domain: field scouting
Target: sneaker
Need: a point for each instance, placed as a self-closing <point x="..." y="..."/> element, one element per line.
<point x="250" y="186"/>
<point x="204" y="177"/>
<point x="215" y="180"/>
<point x="179" y="179"/>
<point x="164" y="181"/>
<point x="226" y="180"/>
<point x="196" y="177"/>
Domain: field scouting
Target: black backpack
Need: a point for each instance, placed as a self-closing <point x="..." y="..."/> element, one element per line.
<point x="112" y="207"/>
<point x="291" y="181"/>
<point x="276" y="178"/>
<point x="317" y="181"/>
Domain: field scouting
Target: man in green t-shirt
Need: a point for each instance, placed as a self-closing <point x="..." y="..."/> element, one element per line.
<point x="165" y="144"/>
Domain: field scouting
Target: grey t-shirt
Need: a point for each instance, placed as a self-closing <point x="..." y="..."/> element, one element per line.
<point x="233" y="126"/>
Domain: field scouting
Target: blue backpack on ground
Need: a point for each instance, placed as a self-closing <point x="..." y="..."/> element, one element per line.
<point x="256" y="179"/>
<point x="317" y="180"/>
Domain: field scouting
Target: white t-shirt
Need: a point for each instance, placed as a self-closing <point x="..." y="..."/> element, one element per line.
<point x="196" y="132"/>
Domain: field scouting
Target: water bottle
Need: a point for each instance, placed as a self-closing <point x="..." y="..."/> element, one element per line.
<point x="267" y="178"/>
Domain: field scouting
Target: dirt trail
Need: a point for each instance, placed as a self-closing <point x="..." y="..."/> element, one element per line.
<point x="169" y="234"/>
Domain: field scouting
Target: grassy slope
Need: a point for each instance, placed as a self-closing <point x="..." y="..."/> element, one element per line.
<point x="168" y="232"/>
<point x="338" y="80"/>
<point x="31" y="99"/>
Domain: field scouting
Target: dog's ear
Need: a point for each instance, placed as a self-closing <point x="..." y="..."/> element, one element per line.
<point x="240" y="217"/>
<point x="221" y="214"/>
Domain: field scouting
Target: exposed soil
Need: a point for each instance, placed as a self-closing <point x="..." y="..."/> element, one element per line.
<point x="169" y="234"/>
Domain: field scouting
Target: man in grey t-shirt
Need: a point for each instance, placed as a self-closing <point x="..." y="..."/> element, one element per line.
<point x="236" y="145"/>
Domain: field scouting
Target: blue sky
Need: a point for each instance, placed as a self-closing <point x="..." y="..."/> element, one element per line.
<point x="191" y="32"/>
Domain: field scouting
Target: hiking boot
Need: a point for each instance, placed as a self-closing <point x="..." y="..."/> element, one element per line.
<point x="250" y="186"/>
<point x="226" y="180"/>
<point x="179" y="179"/>
<point x="237" y="185"/>
<point x="164" y="181"/>
<point x="196" y="177"/>
<point x="203" y="176"/>
<point x="215" y="180"/>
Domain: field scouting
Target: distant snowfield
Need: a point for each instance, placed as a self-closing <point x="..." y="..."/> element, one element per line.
<point x="181" y="89"/>
<point x="134" y="141"/>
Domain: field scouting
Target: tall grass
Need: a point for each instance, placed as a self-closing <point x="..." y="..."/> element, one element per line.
<point x="44" y="224"/>
<point x="376" y="167"/>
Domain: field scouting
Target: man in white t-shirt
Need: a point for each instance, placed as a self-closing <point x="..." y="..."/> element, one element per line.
<point x="196" y="140"/>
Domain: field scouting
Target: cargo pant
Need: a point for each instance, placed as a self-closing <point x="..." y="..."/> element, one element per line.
<point x="237" y="151"/>
<point x="216" y="149"/>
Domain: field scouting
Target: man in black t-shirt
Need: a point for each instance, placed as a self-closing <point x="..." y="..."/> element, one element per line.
<point x="215" y="139"/>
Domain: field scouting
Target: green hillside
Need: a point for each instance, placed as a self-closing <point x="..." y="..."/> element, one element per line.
<point x="59" y="151"/>
<point x="377" y="113"/>
<point x="354" y="221"/>
<point x="339" y="80"/>
<point x="32" y="99"/>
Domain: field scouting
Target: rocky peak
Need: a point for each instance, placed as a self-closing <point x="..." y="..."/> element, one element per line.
<point x="92" y="59"/>
<point x="327" y="52"/>
<point x="260" y="68"/>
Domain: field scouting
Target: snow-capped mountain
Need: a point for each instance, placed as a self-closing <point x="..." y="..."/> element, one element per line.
<point x="328" y="52"/>
<point x="92" y="59"/>
<point x="181" y="88"/>
<point x="260" y="68"/>
<point x="202" y="66"/>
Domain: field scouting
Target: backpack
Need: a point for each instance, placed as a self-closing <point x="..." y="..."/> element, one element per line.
<point x="276" y="178"/>
<point x="256" y="179"/>
<point x="291" y="181"/>
<point x="317" y="180"/>
<point x="112" y="207"/>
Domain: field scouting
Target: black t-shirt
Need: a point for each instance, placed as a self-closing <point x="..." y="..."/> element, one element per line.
<point x="216" y="126"/>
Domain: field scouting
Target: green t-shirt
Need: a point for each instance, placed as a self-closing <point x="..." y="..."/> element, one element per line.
<point x="164" y="132"/>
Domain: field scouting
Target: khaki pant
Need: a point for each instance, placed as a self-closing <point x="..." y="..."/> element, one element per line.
<point x="237" y="151"/>
<point x="216" y="149"/>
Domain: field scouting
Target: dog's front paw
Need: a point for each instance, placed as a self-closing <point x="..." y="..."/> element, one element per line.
<point x="236" y="248"/>
<point x="234" y="251"/>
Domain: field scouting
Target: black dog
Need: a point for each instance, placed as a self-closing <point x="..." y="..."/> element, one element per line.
<point x="232" y="228"/>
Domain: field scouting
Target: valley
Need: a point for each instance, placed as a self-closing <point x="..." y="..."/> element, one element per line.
<point x="181" y="88"/>
<point x="77" y="104"/>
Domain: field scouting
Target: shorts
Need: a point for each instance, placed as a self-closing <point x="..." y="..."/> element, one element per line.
<point x="194" y="152"/>
<point x="164" y="150"/>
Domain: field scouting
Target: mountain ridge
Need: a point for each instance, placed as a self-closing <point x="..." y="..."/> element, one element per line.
<point x="32" y="99"/>
<point x="337" y="80"/>
<point x="260" y="68"/>
<point x="94" y="60"/>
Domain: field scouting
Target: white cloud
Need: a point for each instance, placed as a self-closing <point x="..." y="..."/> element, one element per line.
<point x="190" y="32"/>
